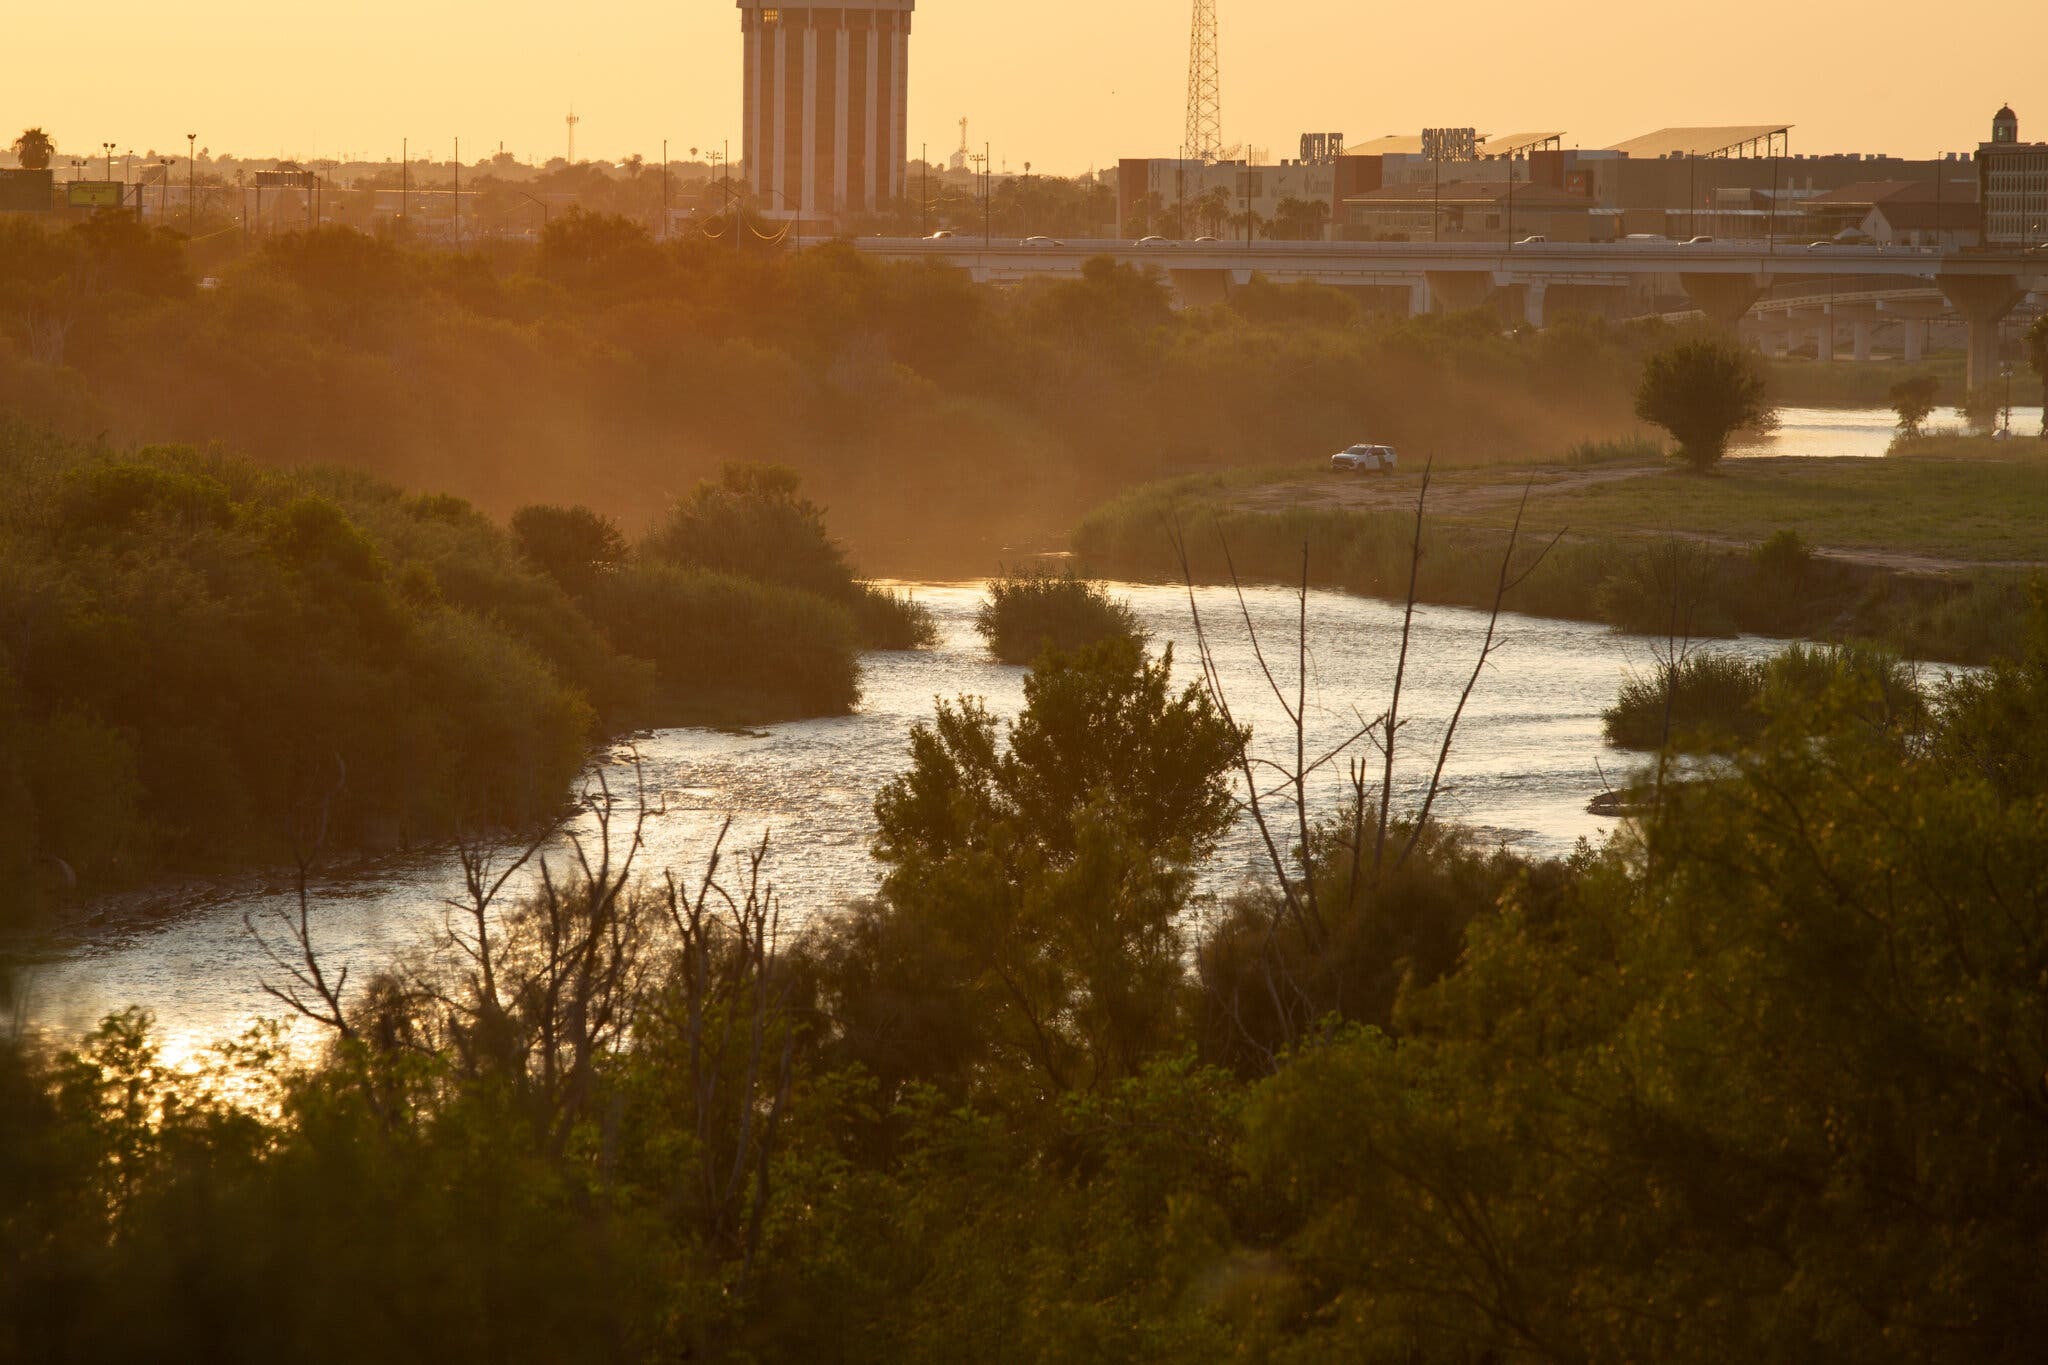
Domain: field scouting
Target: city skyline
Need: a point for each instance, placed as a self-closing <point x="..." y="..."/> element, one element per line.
<point x="674" y="71"/>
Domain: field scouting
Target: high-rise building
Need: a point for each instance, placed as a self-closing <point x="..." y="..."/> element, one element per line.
<point x="2013" y="176"/>
<point x="826" y="94"/>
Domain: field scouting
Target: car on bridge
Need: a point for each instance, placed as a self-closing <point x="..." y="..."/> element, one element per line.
<point x="942" y="235"/>
<point x="1040" y="239"/>
<point x="1365" y="459"/>
<point x="1154" y="240"/>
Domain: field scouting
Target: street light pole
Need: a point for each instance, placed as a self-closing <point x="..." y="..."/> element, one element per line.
<point x="191" y="183"/>
<point x="110" y="158"/>
<point x="664" y="189"/>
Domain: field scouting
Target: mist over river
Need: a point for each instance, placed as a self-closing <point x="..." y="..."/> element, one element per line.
<point x="1528" y="758"/>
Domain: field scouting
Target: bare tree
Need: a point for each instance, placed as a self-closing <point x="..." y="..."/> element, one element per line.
<point x="1295" y="873"/>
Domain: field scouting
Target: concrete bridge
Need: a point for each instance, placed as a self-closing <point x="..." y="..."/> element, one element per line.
<point x="1724" y="280"/>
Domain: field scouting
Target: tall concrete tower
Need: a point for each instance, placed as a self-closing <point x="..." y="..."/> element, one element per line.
<point x="826" y="94"/>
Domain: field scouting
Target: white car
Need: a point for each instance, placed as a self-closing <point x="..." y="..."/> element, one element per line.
<point x="1365" y="460"/>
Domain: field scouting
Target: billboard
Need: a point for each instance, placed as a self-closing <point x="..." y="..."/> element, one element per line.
<point x="94" y="194"/>
<point x="286" y="180"/>
<point x="1450" y="144"/>
<point x="26" y="192"/>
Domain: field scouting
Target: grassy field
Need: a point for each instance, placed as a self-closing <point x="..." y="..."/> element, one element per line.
<point x="1962" y="499"/>
<point x="1928" y="553"/>
<point x="1804" y="381"/>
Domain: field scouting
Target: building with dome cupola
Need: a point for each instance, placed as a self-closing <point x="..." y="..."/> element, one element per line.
<point x="2012" y="179"/>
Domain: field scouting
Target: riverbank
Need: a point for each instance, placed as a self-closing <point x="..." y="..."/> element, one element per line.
<point x="1928" y="555"/>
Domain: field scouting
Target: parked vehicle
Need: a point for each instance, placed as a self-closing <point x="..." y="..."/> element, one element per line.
<point x="1365" y="459"/>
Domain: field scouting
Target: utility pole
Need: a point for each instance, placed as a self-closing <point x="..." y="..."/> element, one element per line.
<point x="191" y="184"/>
<point x="924" y="192"/>
<point x="404" y="181"/>
<point x="664" y="189"/>
<point x="458" y="194"/>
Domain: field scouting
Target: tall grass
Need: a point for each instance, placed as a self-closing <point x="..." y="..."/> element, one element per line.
<point x="1030" y="610"/>
<point x="1637" y="449"/>
<point x="888" y="618"/>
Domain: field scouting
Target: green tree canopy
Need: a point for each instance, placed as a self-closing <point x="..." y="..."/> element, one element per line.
<point x="1912" y="399"/>
<point x="1702" y="391"/>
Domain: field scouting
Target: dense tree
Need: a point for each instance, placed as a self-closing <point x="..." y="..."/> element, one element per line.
<point x="1912" y="399"/>
<point x="572" y="545"/>
<point x="1702" y="391"/>
<point x="1037" y="887"/>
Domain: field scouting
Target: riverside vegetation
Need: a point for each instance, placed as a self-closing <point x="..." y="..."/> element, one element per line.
<point x="943" y="421"/>
<point x="1924" y="555"/>
<point x="1760" y="1077"/>
<point x="198" y="655"/>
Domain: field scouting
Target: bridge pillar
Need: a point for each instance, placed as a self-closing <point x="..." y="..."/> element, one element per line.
<point x="1824" y="337"/>
<point x="1419" y="301"/>
<point x="1859" y="334"/>
<point x="1532" y="303"/>
<point x="1723" y="298"/>
<point x="1460" y="290"/>
<point x="1916" y="340"/>
<point x="1982" y="300"/>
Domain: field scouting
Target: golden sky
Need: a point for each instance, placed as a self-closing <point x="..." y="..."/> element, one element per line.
<point x="1064" y="84"/>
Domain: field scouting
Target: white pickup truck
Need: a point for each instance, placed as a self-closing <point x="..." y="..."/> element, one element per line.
<point x="1365" y="460"/>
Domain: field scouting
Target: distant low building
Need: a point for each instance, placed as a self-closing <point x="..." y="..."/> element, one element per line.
<point x="1943" y="211"/>
<point x="1466" y="211"/>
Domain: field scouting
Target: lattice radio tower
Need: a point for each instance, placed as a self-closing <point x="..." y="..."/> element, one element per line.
<point x="1204" y="140"/>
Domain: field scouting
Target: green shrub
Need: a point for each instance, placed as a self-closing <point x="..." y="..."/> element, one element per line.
<point x="753" y="523"/>
<point x="892" y="619"/>
<point x="1783" y="558"/>
<point x="1030" y="610"/>
<point x="1703" y="701"/>
<point x="731" y="648"/>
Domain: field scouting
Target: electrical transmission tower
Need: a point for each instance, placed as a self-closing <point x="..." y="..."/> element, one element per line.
<point x="1204" y="140"/>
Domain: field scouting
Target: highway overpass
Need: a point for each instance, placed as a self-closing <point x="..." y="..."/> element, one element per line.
<point x="1723" y="279"/>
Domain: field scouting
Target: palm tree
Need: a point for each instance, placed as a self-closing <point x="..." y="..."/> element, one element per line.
<point x="35" y="148"/>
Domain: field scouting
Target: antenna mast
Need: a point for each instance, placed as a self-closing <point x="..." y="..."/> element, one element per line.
<point x="1204" y="140"/>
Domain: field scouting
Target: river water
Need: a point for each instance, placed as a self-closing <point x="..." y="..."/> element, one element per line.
<point x="1527" y="759"/>
<point x="1866" y="432"/>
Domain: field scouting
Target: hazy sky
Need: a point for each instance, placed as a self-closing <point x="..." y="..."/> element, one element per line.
<point x="1065" y="84"/>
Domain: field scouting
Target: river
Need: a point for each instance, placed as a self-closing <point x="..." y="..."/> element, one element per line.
<point x="1528" y="757"/>
<point x="1866" y="432"/>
